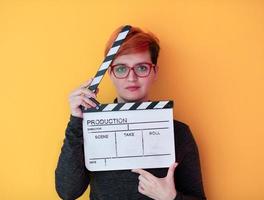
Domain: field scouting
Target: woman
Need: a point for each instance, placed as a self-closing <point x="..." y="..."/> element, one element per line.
<point x="132" y="72"/>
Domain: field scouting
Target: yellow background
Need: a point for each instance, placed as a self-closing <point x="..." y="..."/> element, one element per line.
<point x="211" y="65"/>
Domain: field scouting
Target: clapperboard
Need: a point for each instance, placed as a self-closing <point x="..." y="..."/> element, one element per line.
<point x="127" y="135"/>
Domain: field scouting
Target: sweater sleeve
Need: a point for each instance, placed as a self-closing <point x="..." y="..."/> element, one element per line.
<point x="71" y="175"/>
<point x="188" y="177"/>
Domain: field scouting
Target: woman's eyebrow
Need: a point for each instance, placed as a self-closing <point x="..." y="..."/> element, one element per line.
<point x="133" y="64"/>
<point x="120" y="64"/>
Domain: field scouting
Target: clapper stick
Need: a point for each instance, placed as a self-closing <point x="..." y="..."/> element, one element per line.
<point x="107" y="62"/>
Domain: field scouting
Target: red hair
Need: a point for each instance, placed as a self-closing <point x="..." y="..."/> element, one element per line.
<point x="135" y="42"/>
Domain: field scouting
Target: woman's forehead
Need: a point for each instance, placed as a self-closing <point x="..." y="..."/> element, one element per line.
<point x="133" y="58"/>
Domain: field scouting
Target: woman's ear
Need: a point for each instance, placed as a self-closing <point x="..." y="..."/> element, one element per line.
<point x="156" y="72"/>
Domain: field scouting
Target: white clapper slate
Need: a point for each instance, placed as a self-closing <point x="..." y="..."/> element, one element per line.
<point x="129" y="135"/>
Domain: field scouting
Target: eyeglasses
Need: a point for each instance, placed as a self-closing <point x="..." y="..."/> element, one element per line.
<point x="121" y="71"/>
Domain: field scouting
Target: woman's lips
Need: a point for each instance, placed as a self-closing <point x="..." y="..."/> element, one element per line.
<point x="132" y="88"/>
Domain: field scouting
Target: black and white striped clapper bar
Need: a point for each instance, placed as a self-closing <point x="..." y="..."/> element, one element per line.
<point x="129" y="135"/>
<point x="108" y="60"/>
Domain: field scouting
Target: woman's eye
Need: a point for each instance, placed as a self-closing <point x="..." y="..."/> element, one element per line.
<point x="121" y="69"/>
<point x="142" y="68"/>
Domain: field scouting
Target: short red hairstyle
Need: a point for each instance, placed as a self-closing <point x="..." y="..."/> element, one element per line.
<point x="136" y="41"/>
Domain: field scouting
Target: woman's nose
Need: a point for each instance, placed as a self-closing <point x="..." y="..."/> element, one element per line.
<point x="132" y="76"/>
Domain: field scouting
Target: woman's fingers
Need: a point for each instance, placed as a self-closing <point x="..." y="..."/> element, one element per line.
<point x="144" y="173"/>
<point x="85" y="105"/>
<point x="142" y="179"/>
<point x="144" y="191"/>
<point x="86" y="83"/>
<point x="141" y="190"/>
<point x="78" y="100"/>
<point x="85" y="91"/>
<point x="81" y="97"/>
<point x="171" y="170"/>
<point x="83" y="101"/>
<point x="84" y="86"/>
<point x="157" y="188"/>
<point x="88" y="101"/>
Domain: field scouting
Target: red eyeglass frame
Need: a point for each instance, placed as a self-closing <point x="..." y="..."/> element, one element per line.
<point x="151" y="65"/>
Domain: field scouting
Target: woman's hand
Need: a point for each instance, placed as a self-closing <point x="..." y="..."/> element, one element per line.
<point x="80" y="96"/>
<point x="157" y="188"/>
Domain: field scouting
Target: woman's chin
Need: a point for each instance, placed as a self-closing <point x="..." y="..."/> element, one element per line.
<point x="132" y="98"/>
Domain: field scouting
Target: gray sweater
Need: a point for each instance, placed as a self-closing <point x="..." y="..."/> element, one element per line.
<point x="72" y="178"/>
